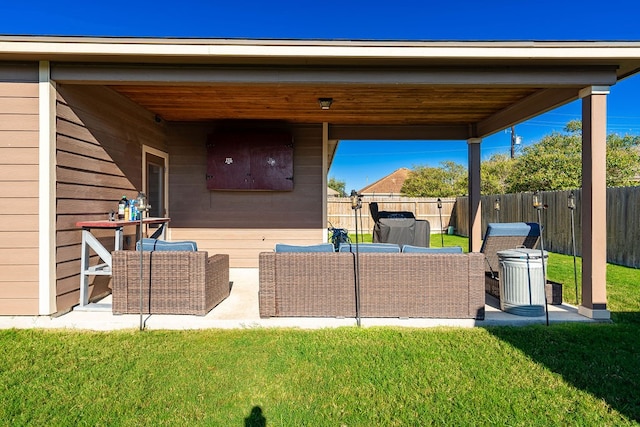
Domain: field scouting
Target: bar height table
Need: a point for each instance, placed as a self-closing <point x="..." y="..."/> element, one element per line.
<point x="90" y="241"/>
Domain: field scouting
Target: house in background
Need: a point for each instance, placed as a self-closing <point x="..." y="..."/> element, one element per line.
<point x="86" y="120"/>
<point x="332" y="193"/>
<point x="387" y="187"/>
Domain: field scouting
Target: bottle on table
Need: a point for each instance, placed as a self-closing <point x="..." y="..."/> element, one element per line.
<point x="122" y="205"/>
<point x="133" y="210"/>
<point x="137" y="212"/>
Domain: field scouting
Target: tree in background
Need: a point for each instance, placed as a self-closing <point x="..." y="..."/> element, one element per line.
<point x="448" y="180"/>
<point x="623" y="160"/>
<point x="337" y="185"/>
<point x="494" y="174"/>
<point x="555" y="162"/>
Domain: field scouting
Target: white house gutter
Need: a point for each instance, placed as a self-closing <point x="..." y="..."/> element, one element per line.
<point x="75" y="48"/>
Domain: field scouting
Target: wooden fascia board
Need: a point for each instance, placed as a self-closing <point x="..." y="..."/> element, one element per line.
<point x="534" y="105"/>
<point x="627" y="72"/>
<point x="471" y="76"/>
<point x="19" y="72"/>
<point x="332" y="148"/>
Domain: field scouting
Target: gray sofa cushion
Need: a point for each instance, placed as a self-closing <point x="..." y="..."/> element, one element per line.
<point x="322" y="247"/>
<point x="513" y="229"/>
<point x="420" y="249"/>
<point x="370" y="247"/>
<point x="149" y="245"/>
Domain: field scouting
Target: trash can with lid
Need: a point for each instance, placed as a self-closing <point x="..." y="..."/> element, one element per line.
<point x="522" y="281"/>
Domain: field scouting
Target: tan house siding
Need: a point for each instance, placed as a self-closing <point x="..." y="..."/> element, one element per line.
<point x="243" y="224"/>
<point x="19" y="189"/>
<point x="99" y="155"/>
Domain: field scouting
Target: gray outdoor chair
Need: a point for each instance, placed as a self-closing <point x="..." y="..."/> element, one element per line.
<point x="503" y="236"/>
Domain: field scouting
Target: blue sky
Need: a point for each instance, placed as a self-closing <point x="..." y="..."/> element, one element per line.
<point x="372" y="19"/>
<point x="384" y="157"/>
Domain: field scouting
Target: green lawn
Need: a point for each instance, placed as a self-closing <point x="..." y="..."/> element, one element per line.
<point x="435" y="240"/>
<point x="565" y="374"/>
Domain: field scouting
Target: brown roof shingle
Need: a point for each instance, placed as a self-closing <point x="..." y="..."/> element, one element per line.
<point x="390" y="184"/>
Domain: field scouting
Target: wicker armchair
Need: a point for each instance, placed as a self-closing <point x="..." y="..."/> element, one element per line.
<point x="179" y="282"/>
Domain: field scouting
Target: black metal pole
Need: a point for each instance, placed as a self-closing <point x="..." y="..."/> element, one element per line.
<point x="441" y="224"/>
<point x="361" y="225"/>
<point x="142" y="208"/>
<point x="573" y="243"/>
<point x="357" y="272"/>
<point x="544" y="270"/>
<point x="355" y="205"/>
<point x="141" y="271"/>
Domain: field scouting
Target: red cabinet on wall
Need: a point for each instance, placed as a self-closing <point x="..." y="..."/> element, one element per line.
<point x="250" y="161"/>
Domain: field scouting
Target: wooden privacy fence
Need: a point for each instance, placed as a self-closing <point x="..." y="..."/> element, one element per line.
<point x="340" y="214"/>
<point x="623" y="220"/>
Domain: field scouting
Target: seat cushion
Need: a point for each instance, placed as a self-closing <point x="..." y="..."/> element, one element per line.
<point x="420" y="249"/>
<point x="513" y="229"/>
<point x="162" y="245"/>
<point x="370" y="247"/>
<point x="322" y="247"/>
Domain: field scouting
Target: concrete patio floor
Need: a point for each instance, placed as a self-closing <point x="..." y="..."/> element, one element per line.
<point x="240" y="311"/>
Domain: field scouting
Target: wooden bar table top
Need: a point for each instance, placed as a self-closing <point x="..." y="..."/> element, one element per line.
<point x="119" y="223"/>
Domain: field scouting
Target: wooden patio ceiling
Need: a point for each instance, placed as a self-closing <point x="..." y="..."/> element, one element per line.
<point x="354" y="104"/>
<point x="368" y="102"/>
<point x="380" y="91"/>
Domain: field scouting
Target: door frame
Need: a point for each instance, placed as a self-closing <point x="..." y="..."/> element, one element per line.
<point x="165" y="157"/>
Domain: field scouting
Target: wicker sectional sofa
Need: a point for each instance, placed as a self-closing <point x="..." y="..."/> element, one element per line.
<point x="412" y="285"/>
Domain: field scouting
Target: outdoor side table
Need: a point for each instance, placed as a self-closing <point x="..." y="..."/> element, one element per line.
<point x="90" y="241"/>
<point x="522" y="290"/>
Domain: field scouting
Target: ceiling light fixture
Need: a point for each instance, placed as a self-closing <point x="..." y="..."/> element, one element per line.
<point x="325" y="103"/>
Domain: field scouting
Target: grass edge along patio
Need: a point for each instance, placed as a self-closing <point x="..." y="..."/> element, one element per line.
<point x="557" y="375"/>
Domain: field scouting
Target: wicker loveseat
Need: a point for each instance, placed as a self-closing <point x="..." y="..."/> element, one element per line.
<point x="175" y="282"/>
<point x="428" y="285"/>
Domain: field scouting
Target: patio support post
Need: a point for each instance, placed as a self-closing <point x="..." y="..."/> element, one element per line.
<point x="594" y="200"/>
<point x="325" y="171"/>
<point x="475" y="216"/>
<point x="46" y="190"/>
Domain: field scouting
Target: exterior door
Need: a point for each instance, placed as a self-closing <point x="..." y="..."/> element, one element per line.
<point x="155" y="181"/>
